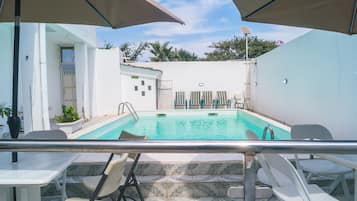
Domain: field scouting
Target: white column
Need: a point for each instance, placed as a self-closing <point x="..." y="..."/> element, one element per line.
<point x="34" y="77"/>
<point x="82" y="88"/>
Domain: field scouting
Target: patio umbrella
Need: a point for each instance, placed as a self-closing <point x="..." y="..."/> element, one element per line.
<point x="111" y="13"/>
<point x="331" y="15"/>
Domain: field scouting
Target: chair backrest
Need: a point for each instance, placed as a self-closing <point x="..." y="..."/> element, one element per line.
<point x="222" y="97"/>
<point x="195" y="98"/>
<point x="46" y="135"/>
<point x="310" y="131"/>
<point x="128" y="136"/>
<point x="111" y="177"/>
<point x="180" y="98"/>
<point x="284" y="174"/>
<point x="207" y="97"/>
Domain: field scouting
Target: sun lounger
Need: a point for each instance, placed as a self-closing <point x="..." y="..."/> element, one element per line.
<point x="180" y="101"/>
<point x="221" y="99"/>
<point x="195" y="100"/>
<point x="207" y="101"/>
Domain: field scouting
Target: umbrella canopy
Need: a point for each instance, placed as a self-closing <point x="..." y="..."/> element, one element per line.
<point x="112" y="13"/>
<point x="332" y="15"/>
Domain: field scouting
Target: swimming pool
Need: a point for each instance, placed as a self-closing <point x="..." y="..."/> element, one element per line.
<point x="188" y="125"/>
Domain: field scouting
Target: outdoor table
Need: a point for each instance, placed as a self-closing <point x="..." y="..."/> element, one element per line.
<point x="347" y="160"/>
<point x="32" y="171"/>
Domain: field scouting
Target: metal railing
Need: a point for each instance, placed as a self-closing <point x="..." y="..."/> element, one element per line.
<point x="130" y="107"/>
<point x="248" y="148"/>
<point x="271" y="132"/>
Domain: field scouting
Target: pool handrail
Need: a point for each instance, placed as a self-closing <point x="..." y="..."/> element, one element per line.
<point x="248" y="148"/>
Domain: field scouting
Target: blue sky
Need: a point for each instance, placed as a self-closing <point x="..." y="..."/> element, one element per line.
<point x="206" y="21"/>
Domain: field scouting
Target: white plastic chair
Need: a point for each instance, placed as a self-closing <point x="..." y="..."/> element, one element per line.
<point x="320" y="167"/>
<point x="108" y="183"/>
<point x="286" y="182"/>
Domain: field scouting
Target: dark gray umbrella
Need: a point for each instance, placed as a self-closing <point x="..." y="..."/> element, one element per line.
<point x="332" y="15"/>
<point x="111" y="13"/>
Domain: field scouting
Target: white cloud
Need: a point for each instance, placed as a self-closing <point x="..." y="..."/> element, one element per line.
<point x="283" y="33"/>
<point x="193" y="13"/>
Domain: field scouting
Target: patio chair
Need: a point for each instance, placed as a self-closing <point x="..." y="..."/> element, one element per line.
<point x="60" y="181"/>
<point x="195" y="100"/>
<point x="320" y="167"/>
<point x="108" y="183"/>
<point x="239" y="101"/>
<point x="131" y="180"/>
<point x="180" y="101"/>
<point x="207" y="101"/>
<point x="287" y="183"/>
<point x="221" y="99"/>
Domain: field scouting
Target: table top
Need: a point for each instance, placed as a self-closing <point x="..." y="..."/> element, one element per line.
<point x="33" y="168"/>
<point x="348" y="160"/>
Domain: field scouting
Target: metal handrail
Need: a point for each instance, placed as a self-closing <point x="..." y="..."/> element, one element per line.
<point x="131" y="109"/>
<point x="271" y="132"/>
<point x="248" y="148"/>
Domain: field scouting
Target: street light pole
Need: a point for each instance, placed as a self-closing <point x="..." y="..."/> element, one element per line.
<point x="246" y="33"/>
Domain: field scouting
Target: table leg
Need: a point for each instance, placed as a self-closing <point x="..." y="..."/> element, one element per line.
<point x="28" y="193"/>
<point x="355" y="191"/>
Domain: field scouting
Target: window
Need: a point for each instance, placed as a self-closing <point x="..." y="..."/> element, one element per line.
<point x="142" y="82"/>
<point x="143" y="93"/>
<point x="136" y="88"/>
<point x="149" y="87"/>
<point x="67" y="55"/>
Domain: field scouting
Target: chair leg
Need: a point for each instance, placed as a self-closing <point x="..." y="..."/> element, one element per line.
<point x="346" y="191"/>
<point x="137" y="187"/>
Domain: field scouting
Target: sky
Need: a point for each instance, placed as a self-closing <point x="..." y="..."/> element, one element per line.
<point x="206" y="21"/>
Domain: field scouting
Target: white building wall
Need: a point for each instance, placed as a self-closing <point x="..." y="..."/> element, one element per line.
<point x="140" y="101"/>
<point x="82" y="87"/>
<point x="230" y="76"/>
<point x="322" y="79"/>
<point x="54" y="78"/>
<point x="6" y="52"/>
<point x="106" y="82"/>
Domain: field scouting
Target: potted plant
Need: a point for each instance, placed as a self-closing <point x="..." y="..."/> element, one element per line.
<point x="70" y="121"/>
<point x="5" y="112"/>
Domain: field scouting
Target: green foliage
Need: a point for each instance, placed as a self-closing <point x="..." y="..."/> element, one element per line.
<point x="5" y="111"/>
<point x="108" y="45"/>
<point x="235" y="48"/>
<point x="69" y="115"/>
<point x="161" y="52"/>
<point x="164" y="52"/>
<point x="132" y="52"/>
<point x="183" y="55"/>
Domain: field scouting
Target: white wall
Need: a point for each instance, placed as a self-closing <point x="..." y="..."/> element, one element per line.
<point x="140" y="103"/>
<point x="106" y="82"/>
<point x="54" y="81"/>
<point x="230" y="76"/>
<point x="322" y="79"/>
<point x="6" y="51"/>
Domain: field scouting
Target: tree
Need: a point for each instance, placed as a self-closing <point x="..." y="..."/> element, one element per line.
<point x="161" y="52"/>
<point x="235" y="48"/>
<point x="108" y="45"/>
<point x="183" y="55"/>
<point x="132" y="52"/>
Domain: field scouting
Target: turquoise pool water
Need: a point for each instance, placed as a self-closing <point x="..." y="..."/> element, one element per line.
<point x="202" y="126"/>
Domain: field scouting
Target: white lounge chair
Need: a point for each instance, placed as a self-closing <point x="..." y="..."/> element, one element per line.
<point x="108" y="183"/>
<point x="207" y="99"/>
<point x="287" y="183"/>
<point x="180" y="101"/>
<point x="195" y="100"/>
<point x="221" y="99"/>
<point x="320" y="167"/>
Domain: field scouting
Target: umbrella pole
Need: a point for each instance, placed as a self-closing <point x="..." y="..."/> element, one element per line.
<point x="14" y="121"/>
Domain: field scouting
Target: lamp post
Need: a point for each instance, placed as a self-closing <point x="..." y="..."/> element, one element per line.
<point x="246" y="32"/>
